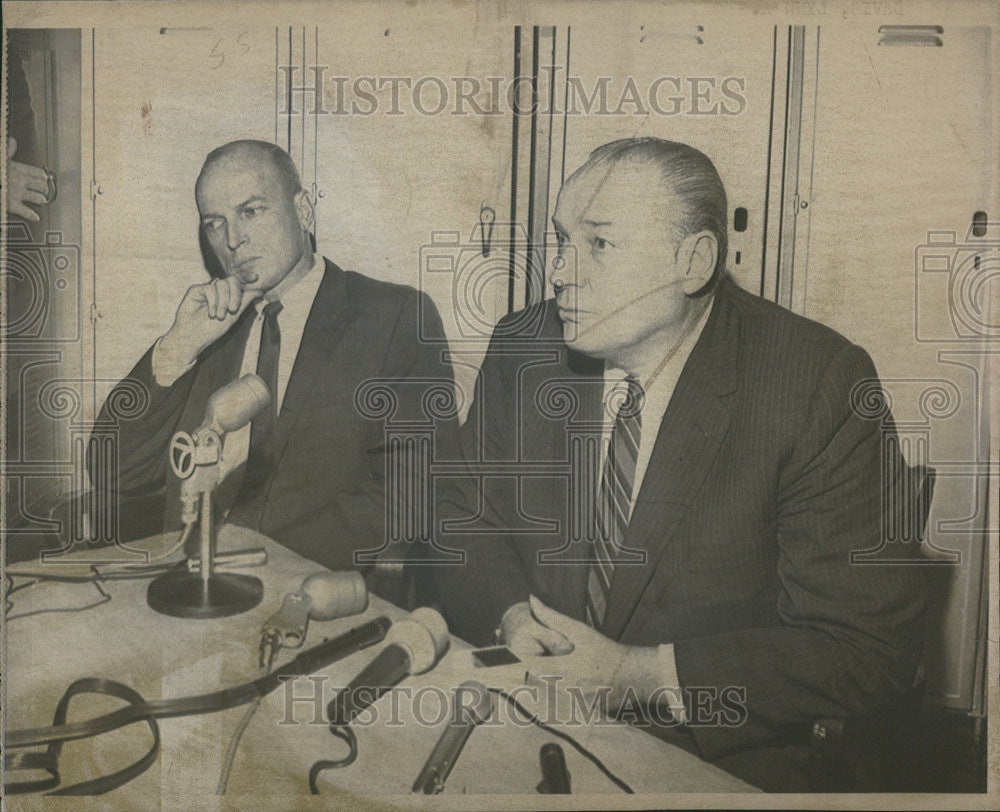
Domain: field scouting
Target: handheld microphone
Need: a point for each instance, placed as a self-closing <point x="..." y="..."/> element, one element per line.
<point x="415" y="644"/>
<point x="235" y="404"/>
<point x="472" y="706"/>
<point x="555" y="774"/>
<point x="322" y="596"/>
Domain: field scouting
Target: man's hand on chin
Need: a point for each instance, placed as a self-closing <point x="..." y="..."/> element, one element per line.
<point x="593" y="663"/>
<point x="205" y="314"/>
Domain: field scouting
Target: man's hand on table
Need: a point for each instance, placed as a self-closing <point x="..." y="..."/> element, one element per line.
<point x="583" y="656"/>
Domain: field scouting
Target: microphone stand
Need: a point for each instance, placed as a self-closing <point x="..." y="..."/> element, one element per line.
<point x="206" y="593"/>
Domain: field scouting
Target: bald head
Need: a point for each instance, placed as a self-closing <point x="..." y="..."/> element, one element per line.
<point x="259" y="153"/>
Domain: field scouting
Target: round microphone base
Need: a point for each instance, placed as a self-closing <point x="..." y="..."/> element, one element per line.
<point x="184" y="594"/>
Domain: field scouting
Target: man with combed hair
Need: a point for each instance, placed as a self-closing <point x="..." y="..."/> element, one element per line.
<point x="311" y="471"/>
<point x="698" y="564"/>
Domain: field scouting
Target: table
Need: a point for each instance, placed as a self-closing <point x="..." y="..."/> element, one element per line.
<point x="161" y="656"/>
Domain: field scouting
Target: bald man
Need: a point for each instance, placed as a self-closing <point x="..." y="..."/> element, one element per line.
<point x="697" y="565"/>
<point x="311" y="471"/>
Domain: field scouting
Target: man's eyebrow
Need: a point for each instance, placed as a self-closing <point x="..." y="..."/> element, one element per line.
<point x="248" y="202"/>
<point x="596" y="223"/>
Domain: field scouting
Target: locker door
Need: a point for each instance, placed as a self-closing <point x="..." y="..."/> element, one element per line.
<point x="402" y="138"/>
<point x="149" y="140"/>
<point x="707" y="83"/>
<point x="892" y="260"/>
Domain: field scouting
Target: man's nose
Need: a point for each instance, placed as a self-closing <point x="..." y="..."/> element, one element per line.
<point x="235" y="236"/>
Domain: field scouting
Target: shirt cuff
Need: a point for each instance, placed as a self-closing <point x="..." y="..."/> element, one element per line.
<point x="673" y="695"/>
<point x="166" y="372"/>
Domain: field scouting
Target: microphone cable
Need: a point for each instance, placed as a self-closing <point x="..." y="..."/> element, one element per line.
<point x="583" y="751"/>
<point x="347" y="734"/>
<point x="139" y="709"/>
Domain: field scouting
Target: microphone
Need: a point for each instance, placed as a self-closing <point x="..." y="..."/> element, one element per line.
<point x="555" y="774"/>
<point x="465" y="716"/>
<point x="415" y="644"/>
<point x="195" y="459"/>
<point x="235" y="404"/>
<point x="322" y="596"/>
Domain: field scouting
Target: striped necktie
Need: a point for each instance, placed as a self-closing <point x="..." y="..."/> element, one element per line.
<point x="614" y="501"/>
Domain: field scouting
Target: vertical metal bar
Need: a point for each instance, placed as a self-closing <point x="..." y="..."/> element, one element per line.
<point x="790" y="170"/>
<point x="288" y="87"/>
<point x="767" y="173"/>
<point x="541" y="164"/>
<point x="315" y="183"/>
<point x="562" y="170"/>
<point x="93" y="219"/>
<point x="530" y="258"/>
<point x="276" y="84"/>
<point x="515" y="115"/>
<point x="302" y="161"/>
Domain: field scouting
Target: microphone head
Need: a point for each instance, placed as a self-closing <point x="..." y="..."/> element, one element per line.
<point x="431" y="620"/>
<point x="236" y="404"/>
<point x="424" y="636"/>
<point x="473" y="703"/>
<point x="335" y="594"/>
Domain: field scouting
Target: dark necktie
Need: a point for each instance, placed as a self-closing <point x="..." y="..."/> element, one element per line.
<point x="614" y="501"/>
<point x="267" y="368"/>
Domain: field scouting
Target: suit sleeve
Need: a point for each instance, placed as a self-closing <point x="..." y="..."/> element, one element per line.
<point x="850" y="634"/>
<point x="491" y="578"/>
<point x="143" y="440"/>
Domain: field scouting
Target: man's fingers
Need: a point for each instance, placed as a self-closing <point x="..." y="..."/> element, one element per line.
<point x="554" y="642"/>
<point x="525" y="645"/>
<point x="212" y="299"/>
<point x="11" y="147"/>
<point x="34" y="198"/>
<point x="223" y="306"/>
<point x="551" y="618"/>
<point x="22" y="211"/>
<point x="235" y="287"/>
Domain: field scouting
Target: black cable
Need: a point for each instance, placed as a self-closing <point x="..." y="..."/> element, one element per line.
<point x="105" y="597"/>
<point x="234" y="743"/>
<point x="96" y="577"/>
<point x="306" y="662"/>
<point x="341" y="732"/>
<point x="583" y="751"/>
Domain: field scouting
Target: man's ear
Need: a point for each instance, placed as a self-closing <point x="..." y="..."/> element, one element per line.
<point x="304" y="209"/>
<point x="700" y="251"/>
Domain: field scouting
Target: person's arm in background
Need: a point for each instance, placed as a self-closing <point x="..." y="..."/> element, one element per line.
<point x="26" y="183"/>
<point x="490" y="589"/>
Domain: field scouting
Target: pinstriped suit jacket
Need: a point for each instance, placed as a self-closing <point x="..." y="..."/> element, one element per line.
<point x="761" y="483"/>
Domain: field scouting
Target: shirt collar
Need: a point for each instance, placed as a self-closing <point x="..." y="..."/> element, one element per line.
<point x="660" y="387"/>
<point x="303" y="290"/>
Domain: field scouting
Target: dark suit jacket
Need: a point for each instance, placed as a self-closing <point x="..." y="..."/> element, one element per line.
<point x="324" y="495"/>
<point x="761" y="482"/>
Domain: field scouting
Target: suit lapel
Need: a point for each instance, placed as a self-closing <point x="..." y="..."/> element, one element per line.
<point x="690" y="435"/>
<point x="330" y="314"/>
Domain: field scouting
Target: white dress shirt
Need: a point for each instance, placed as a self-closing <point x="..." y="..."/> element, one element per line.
<point x="296" y="302"/>
<point x="659" y="389"/>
